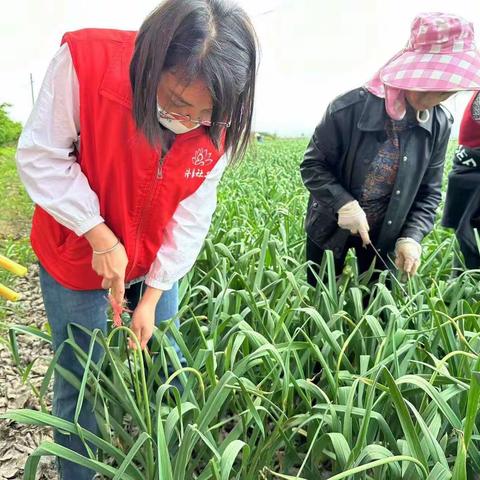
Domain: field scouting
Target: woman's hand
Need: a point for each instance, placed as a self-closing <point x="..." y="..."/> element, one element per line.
<point x="407" y="255"/>
<point x="143" y="320"/>
<point x="352" y="217"/>
<point x="111" y="265"/>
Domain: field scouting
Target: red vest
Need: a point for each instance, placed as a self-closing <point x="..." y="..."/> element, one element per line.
<point x="469" y="135"/>
<point x="138" y="195"/>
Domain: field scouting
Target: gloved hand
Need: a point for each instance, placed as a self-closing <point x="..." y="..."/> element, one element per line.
<point x="352" y="217"/>
<point x="407" y="255"/>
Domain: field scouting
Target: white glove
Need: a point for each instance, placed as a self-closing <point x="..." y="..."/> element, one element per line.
<point x="352" y="217"/>
<point x="407" y="255"/>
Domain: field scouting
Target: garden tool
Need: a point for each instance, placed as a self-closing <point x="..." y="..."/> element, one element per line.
<point x="377" y="253"/>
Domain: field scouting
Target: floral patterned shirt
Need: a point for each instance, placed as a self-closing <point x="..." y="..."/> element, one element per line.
<point x="382" y="172"/>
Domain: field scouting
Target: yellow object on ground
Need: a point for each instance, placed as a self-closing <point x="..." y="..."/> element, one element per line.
<point x="12" y="266"/>
<point x="9" y="294"/>
<point x="16" y="269"/>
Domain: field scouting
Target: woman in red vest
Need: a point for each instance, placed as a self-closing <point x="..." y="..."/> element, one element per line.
<point x="122" y="155"/>
<point x="462" y="203"/>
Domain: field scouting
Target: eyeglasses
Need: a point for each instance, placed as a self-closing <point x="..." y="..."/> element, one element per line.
<point x="187" y="118"/>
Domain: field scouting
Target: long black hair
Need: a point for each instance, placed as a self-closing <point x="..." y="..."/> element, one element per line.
<point x="211" y="40"/>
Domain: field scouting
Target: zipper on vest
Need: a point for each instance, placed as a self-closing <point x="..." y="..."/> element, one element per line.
<point x="160" y="167"/>
<point x="149" y="199"/>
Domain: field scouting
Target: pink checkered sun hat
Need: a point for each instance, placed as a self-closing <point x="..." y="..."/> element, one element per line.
<point x="440" y="57"/>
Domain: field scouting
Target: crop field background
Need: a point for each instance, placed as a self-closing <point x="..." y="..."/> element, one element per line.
<point x="353" y="379"/>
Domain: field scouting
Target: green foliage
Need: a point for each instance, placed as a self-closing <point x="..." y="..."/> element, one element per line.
<point x="17" y="208"/>
<point x="346" y="381"/>
<point x="15" y="217"/>
<point x="9" y="130"/>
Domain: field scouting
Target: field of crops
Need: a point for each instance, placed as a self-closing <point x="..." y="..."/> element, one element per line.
<point x="352" y="380"/>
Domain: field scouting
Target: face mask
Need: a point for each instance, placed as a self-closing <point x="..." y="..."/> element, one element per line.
<point x="174" y="126"/>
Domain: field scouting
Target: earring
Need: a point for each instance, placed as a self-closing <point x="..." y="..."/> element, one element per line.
<point x="423" y="116"/>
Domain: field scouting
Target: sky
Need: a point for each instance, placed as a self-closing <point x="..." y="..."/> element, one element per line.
<point x="311" y="50"/>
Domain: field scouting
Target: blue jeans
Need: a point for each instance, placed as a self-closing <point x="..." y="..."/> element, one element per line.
<point x="89" y="309"/>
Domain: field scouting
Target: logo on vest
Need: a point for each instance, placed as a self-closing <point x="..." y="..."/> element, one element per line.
<point x="202" y="158"/>
<point x="465" y="157"/>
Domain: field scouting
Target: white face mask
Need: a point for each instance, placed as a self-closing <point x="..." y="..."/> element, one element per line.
<point x="175" y="126"/>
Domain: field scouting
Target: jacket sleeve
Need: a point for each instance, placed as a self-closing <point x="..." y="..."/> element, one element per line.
<point x="320" y="164"/>
<point x="421" y="217"/>
<point x="45" y="155"/>
<point x="185" y="233"/>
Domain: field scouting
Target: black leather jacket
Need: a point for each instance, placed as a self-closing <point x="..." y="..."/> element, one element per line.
<point x="343" y="145"/>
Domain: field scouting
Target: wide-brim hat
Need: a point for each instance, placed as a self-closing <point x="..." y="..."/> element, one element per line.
<point x="440" y="56"/>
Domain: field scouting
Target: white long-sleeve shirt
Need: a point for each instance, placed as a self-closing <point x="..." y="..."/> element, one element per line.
<point x="54" y="180"/>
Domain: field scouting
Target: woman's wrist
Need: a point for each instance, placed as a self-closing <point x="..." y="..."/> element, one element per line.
<point x="151" y="297"/>
<point x="107" y="250"/>
<point x="101" y="238"/>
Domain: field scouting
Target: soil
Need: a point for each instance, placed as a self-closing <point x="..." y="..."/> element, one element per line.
<point x="18" y="441"/>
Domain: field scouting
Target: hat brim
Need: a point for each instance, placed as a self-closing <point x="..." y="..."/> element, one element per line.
<point x="434" y="72"/>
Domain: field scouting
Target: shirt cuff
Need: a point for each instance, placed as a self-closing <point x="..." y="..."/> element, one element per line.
<point x="413" y="234"/>
<point x="159" y="285"/>
<point x="88" y="224"/>
<point x="342" y="200"/>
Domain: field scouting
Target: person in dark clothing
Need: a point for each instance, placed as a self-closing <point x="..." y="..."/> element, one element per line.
<point x="462" y="205"/>
<point x="374" y="165"/>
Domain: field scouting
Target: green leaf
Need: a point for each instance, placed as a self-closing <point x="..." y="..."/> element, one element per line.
<point x="405" y="419"/>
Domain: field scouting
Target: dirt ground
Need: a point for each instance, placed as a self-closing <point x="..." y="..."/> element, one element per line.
<point x="18" y="441"/>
